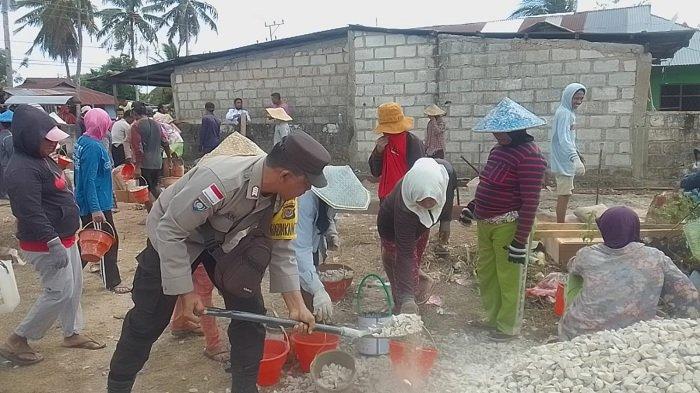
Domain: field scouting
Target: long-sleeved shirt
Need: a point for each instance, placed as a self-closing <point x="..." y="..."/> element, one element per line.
<point x="622" y="287"/>
<point x="234" y="115"/>
<point x="146" y="139"/>
<point x="93" y="176"/>
<point x="209" y="133"/>
<point x="414" y="151"/>
<point x="308" y="240"/>
<point x="511" y="182"/>
<point x="435" y="136"/>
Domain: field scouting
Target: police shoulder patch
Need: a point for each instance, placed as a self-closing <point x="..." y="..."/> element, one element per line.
<point x="199" y="206"/>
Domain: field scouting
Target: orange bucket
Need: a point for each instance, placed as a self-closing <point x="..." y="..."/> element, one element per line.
<point x="127" y="171"/>
<point x="94" y="242"/>
<point x="63" y="162"/>
<point x="336" y="289"/>
<point x="559" y="301"/>
<point x="140" y="193"/>
<point x="274" y="357"/>
<point x="406" y="358"/>
<point x="307" y="346"/>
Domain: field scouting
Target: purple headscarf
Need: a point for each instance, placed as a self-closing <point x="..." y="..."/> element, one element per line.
<point x="97" y="123"/>
<point x="619" y="226"/>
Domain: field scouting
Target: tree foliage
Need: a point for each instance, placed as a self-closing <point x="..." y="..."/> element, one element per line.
<point x="183" y="17"/>
<point x="542" y="7"/>
<point x="114" y="65"/>
<point x="127" y="24"/>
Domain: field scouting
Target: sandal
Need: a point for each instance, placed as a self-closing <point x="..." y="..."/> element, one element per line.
<point x="221" y="355"/>
<point x="87" y="343"/>
<point x="94" y="268"/>
<point x="21" y="358"/>
<point x="121" y="289"/>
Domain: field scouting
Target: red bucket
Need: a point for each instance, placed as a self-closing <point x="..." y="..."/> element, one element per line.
<point x="559" y="301"/>
<point x="127" y="172"/>
<point x="336" y="289"/>
<point x="274" y="357"/>
<point x="94" y="243"/>
<point x="63" y="162"/>
<point x="407" y="358"/>
<point x="307" y="346"/>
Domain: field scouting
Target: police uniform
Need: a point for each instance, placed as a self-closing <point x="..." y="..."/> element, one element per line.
<point x="215" y="202"/>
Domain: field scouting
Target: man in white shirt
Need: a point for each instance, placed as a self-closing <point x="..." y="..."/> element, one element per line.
<point x="237" y="115"/>
<point x="121" y="150"/>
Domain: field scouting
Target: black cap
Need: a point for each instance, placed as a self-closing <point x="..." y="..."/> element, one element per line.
<point x="305" y="154"/>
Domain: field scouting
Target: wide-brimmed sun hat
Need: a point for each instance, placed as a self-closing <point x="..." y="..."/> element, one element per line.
<point x="278" y="113"/>
<point x="434" y="110"/>
<point x="508" y="116"/>
<point x="391" y="119"/>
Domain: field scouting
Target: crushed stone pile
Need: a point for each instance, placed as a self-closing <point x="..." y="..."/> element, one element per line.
<point x="653" y="356"/>
<point x="401" y="325"/>
<point x="335" y="275"/>
<point x="334" y="376"/>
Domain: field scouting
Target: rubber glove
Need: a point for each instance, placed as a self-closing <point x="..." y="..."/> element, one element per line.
<point x="58" y="255"/>
<point x="333" y="242"/>
<point x="516" y="252"/>
<point x="323" y="306"/>
<point x="579" y="168"/>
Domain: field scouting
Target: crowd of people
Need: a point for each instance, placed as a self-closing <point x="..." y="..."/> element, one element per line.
<point x="231" y="218"/>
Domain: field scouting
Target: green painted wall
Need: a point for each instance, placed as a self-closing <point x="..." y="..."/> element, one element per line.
<point x="670" y="76"/>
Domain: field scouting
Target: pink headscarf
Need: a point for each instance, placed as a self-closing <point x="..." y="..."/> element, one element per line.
<point x="97" y="123"/>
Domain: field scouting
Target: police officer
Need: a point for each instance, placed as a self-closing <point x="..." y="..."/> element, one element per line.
<point x="202" y="217"/>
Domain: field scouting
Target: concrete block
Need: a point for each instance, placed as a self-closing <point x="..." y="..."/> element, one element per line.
<point x="364" y="79"/>
<point x="327" y="69"/>
<point x="618" y="160"/>
<point x="458" y="135"/>
<point x="395" y="39"/>
<point x="535" y="82"/>
<point x="373" y="65"/>
<point x="269" y="63"/>
<point x="498" y="72"/>
<point x="359" y="42"/>
<point x="317" y="60"/>
<point x="221" y="95"/>
<point x="523" y="70"/>
<point x="202" y="77"/>
<point x="375" y="40"/>
<point x="628" y="93"/>
<point x="393" y="64"/>
<point x="617" y="134"/>
<point x="473" y="72"/>
<point x="194" y="95"/>
<point x="450" y="74"/>
<point x="253" y="64"/>
<point x="415" y="64"/>
<point x="406" y="100"/>
<point x="211" y="86"/>
<point x="624" y="148"/>
<point x="605" y="66"/>
<point x="577" y="67"/>
<point x="522" y="96"/>
<point x="551" y="95"/>
<point x="602" y="121"/>
<point x="593" y="80"/>
<point x="406" y="51"/>
<point x="432" y="87"/>
<point x="275" y="72"/>
<point x="292" y="71"/>
<point x="426" y="50"/>
<point x="459" y="60"/>
<point x="459" y="86"/>
<point x="564" y="54"/>
<point x="624" y="121"/>
<point x="208" y="95"/>
<point x="656" y="120"/>
<point x="416" y="39"/>
<point x="384" y="53"/>
<point x="416" y="88"/>
<point x="485" y="84"/>
<point x="384" y="77"/>
<point x="472" y="98"/>
<point x="404" y="77"/>
<point x="301" y="60"/>
<point x="623" y="107"/>
<point x="630" y="65"/>
<point x="510" y="57"/>
<point x="622" y="79"/>
<point x="341" y="79"/>
<point x="393" y="89"/>
<point x="360" y="90"/>
<point x="285" y="61"/>
<point x="425" y="99"/>
<point x="309" y="70"/>
<point x="510" y="84"/>
<point x="588" y="134"/>
<point x="460" y="110"/>
<point x="537" y="56"/>
<point x="549" y="69"/>
<point x="364" y="54"/>
<point x="590" y="54"/>
<point x="321" y="81"/>
<point x="272" y="83"/>
<point x="482" y="110"/>
<point x="189" y="78"/>
<point x="216" y="76"/>
<point x="604" y="93"/>
<point x="335" y="58"/>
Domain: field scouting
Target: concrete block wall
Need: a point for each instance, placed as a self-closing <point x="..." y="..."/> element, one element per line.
<point x="312" y="78"/>
<point x="476" y="73"/>
<point x="671" y="139"/>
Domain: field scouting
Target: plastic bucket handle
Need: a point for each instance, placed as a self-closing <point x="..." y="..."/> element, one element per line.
<point x="98" y="227"/>
<point x="360" y="292"/>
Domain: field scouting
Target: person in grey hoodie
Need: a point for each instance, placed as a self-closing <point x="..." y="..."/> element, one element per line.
<point x="6" y="148"/>
<point x="565" y="160"/>
<point x="47" y="221"/>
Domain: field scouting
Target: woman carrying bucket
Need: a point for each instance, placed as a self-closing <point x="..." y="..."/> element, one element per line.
<point x="406" y="216"/>
<point x="93" y="190"/>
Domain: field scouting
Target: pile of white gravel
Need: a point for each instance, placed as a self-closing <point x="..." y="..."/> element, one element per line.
<point x="654" y="356"/>
<point x="334" y="275"/>
<point x="334" y="376"/>
<point x="401" y="325"/>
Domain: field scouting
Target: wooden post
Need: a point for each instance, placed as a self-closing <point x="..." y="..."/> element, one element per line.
<point x="116" y="96"/>
<point x="244" y="124"/>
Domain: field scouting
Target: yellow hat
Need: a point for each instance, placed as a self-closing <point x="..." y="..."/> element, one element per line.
<point x="434" y="110"/>
<point x="279" y="114"/>
<point x="392" y="120"/>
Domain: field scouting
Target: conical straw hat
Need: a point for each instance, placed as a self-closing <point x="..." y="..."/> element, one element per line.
<point x="234" y="145"/>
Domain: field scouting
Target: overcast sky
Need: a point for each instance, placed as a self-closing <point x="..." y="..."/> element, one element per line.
<point x="245" y="24"/>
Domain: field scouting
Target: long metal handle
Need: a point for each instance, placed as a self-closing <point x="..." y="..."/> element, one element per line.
<point x="272" y="321"/>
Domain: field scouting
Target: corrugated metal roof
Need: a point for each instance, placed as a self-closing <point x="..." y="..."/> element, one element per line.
<point x="686" y="56"/>
<point x="41" y="100"/>
<point x="60" y="87"/>
<point x="46" y="83"/>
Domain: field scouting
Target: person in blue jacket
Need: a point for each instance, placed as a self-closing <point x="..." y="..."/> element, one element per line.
<point x="93" y="189"/>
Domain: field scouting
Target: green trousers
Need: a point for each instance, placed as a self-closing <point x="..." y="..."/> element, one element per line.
<point x="501" y="283"/>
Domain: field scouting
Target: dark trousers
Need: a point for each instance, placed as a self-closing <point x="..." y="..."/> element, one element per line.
<point x="3" y="191"/>
<point x="118" y="155"/>
<point x="152" y="177"/>
<point x="110" y="270"/>
<point x="152" y="311"/>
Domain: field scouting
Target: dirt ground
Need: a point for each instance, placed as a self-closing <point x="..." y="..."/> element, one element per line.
<point x="178" y="365"/>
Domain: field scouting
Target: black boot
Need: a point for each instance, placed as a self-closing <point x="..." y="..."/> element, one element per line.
<point x="119" y="386"/>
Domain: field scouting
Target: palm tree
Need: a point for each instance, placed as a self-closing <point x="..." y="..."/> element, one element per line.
<point x="183" y="18"/>
<point x="127" y="24"/>
<point x="61" y="24"/>
<point x="541" y="7"/>
<point x="168" y="52"/>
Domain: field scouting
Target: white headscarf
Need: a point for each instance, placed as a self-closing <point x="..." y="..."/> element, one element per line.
<point x="426" y="179"/>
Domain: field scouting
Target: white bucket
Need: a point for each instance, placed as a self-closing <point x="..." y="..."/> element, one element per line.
<point x="373" y="346"/>
<point x="9" y="295"/>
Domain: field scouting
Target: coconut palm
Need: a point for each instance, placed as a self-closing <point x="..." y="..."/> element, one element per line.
<point x="167" y="52"/>
<point x="541" y="7"/>
<point x="183" y="18"/>
<point x="61" y="24"/>
<point x="127" y="24"/>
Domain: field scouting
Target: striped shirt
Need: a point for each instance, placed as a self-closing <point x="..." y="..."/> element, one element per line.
<point x="511" y="181"/>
